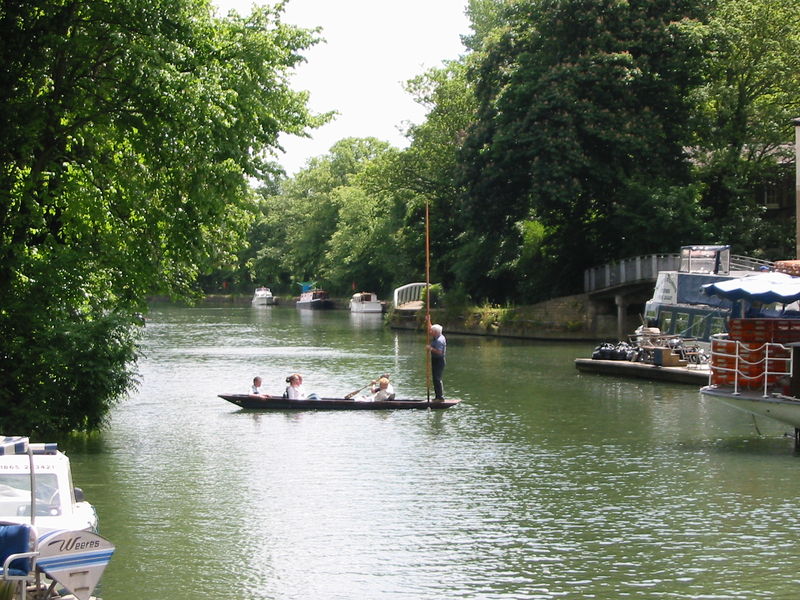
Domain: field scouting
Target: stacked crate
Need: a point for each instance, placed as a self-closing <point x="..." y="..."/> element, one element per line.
<point x="790" y="267"/>
<point x="756" y="341"/>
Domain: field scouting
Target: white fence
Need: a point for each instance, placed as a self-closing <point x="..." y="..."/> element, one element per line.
<point x="410" y="292"/>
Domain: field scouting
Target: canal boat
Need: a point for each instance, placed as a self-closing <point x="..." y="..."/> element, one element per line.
<point x="47" y="525"/>
<point x="253" y="402"/>
<point x="366" y="302"/>
<point x="263" y="297"/>
<point x="679" y="306"/>
<point x="755" y="366"/>
<point x="315" y="300"/>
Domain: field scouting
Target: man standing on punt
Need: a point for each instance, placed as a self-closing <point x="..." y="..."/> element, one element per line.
<point x="438" y="349"/>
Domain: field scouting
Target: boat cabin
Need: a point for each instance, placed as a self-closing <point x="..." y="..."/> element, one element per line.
<point x="679" y="306"/>
<point x="55" y="502"/>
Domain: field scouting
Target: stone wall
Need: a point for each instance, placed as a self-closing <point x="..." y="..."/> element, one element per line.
<point x="565" y="318"/>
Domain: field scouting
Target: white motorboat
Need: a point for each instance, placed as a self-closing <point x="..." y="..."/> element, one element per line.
<point x="47" y="529"/>
<point x="263" y="297"/>
<point x="755" y="367"/>
<point x="366" y="302"/>
<point x="55" y="503"/>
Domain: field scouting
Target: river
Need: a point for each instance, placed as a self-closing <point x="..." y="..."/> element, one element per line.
<point x="544" y="483"/>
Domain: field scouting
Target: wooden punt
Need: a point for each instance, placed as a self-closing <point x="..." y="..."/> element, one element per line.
<point x="252" y="402"/>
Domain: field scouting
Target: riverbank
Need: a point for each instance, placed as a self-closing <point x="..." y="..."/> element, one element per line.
<point x="569" y="318"/>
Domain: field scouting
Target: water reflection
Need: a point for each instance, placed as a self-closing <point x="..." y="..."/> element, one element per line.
<point x="545" y="483"/>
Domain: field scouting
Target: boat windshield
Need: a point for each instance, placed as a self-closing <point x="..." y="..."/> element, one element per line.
<point x="15" y="495"/>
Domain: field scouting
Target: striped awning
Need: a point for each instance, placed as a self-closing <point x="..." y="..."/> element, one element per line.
<point x="760" y="287"/>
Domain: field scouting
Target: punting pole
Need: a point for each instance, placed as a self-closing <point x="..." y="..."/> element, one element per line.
<point x="427" y="299"/>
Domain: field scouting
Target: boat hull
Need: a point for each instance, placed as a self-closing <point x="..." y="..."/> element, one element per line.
<point x="780" y="408"/>
<point x="366" y="307"/>
<point x="255" y="403"/>
<point x="315" y="304"/>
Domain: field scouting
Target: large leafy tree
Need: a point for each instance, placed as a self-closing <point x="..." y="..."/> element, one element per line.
<point x="581" y="127"/>
<point x="749" y="95"/>
<point x="293" y="238"/>
<point x="127" y="133"/>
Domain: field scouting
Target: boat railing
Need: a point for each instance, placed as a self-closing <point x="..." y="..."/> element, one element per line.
<point x="748" y="263"/>
<point x="748" y="365"/>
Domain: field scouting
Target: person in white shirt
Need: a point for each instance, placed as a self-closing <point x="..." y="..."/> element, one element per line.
<point x="255" y="389"/>
<point x="383" y="392"/>
<point x="295" y="390"/>
<point x="389" y="388"/>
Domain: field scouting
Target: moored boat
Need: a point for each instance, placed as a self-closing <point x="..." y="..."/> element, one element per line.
<point x="366" y="302"/>
<point x="755" y="367"/>
<point x="678" y="305"/>
<point x="253" y="402"/>
<point x="48" y="540"/>
<point x="263" y="297"/>
<point x="55" y="503"/>
<point x="315" y="300"/>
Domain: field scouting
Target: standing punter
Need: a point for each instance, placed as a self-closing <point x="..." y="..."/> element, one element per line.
<point x="438" y="349"/>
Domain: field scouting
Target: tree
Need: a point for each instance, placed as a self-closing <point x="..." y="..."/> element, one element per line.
<point x="301" y="220"/>
<point x="128" y="131"/>
<point x="750" y="93"/>
<point x="582" y="121"/>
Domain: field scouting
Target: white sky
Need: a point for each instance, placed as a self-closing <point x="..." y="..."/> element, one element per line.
<point x="371" y="48"/>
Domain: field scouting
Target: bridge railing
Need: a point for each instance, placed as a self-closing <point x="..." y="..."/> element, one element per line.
<point x="629" y="270"/>
<point x="410" y="292"/>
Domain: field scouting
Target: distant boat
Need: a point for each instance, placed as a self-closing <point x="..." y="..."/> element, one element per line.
<point x="253" y="402"/>
<point x="314" y="299"/>
<point x="263" y="297"/>
<point x="366" y="302"/>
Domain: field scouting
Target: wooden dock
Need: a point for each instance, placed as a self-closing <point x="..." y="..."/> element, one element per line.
<point x="623" y="368"/>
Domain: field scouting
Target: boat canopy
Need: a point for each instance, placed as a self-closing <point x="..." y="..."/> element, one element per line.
<point x="761" y="287"/>
<point x="306" y="286"/>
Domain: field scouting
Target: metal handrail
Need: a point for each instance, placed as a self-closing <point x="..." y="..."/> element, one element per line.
<point x="740" y="361"/>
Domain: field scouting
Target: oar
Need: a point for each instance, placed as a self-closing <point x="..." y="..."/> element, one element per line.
<point x="351" y="394"/>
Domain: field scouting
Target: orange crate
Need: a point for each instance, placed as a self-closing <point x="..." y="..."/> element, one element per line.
<point x="786" y="330"/>
<point x="721" y="378"/>
<point x="723" y="346"/>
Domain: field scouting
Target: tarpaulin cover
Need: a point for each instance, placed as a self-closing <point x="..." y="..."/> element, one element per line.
<point x="762" y="287"/>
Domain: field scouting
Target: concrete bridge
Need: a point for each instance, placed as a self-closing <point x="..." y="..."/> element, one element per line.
<point x="625" y="285"/>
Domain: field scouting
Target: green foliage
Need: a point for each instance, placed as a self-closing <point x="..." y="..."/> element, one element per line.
<point x="749" y="95"/>
<point x="581" y="106"/>
<point x="322" y="225"/>
<point x="127" y="133"/>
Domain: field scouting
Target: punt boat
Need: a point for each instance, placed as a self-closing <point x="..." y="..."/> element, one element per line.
<point x="253" y="402"/>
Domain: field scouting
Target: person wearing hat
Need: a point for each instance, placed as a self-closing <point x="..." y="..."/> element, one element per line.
<point x="376" y="386"/>
<point x="383" y="392"/>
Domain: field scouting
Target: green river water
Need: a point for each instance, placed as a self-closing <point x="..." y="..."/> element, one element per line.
<point x="543" y="483"/>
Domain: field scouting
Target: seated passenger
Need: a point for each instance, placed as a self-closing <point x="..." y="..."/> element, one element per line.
<point x="255" y="389"/>
<point x="389" y="389"/>
<point x="295" y="390"/>
<point x="383" y="392"/>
